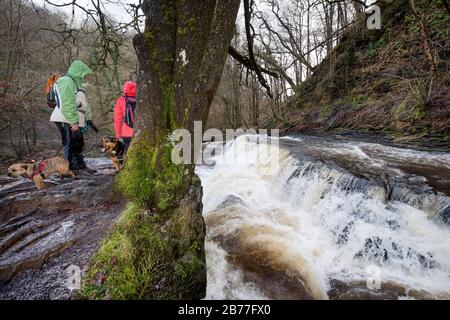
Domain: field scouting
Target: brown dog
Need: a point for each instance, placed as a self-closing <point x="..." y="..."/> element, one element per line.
<point x="41" y="170"/>
<point x="116" y="151"/>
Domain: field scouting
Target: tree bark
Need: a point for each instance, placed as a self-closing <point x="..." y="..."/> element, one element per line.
<point x="181" y="54"/>
<point x="180" y="61"/>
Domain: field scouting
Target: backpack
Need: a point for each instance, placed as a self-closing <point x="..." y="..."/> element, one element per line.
<point x="50" y="91"/>
<point x="130" y="106"/>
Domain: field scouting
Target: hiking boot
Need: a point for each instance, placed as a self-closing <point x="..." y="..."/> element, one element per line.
<point x="90" y="171"/>
<point x="82" y="167"/>
<point x="86" y="169"/>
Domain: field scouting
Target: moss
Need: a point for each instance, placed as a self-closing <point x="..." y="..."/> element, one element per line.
<point x="168" y="105"/>
<point x="189" y="26"/>
<point x="182" y="31"/>
<point x="326" y="111"/>
<point x="150" y="38"/>
<point x="155" y="249"/>
<point x="148" y="256"/>
<point x="196" y="180"/>
<point x="373" y="47"/>
<point x="355" y="101"/>
<point x="439" y="22"/>
<point x="168" y="11"/>
<point x="191" y="23"/>
<point x="408" y="112"/>
<point x="190" y="264"/>
<point x="112" y="270"/>
<point x="150" y="178"/>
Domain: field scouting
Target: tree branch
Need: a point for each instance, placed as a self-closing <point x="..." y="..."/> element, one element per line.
<point x="246" y="62"/>
<point x="249" y="35"/>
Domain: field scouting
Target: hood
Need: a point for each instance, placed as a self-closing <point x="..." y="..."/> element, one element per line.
<point x="129" y="89"/>
<point x="79" y="70"/>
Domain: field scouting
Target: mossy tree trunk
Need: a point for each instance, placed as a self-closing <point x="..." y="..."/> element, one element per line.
<point x="181" y="57"/>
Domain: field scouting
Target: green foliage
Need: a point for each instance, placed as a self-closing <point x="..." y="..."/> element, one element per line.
<point x="409" y="20"/>
<point x="439" y="23"/>
<point x="355" y="101"/>
<point x="326" y="110"/>
<point x="400" y="49"/>
<point x="196" y="180"/>
<point x="408" y="112"/>
<point x="184" y="268"/>
<point x="112" y="271"/>
<point x="372" y="48"/>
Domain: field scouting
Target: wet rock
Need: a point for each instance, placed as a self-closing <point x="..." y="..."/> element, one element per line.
<point x="393" y="224"/>
<point x="272" y="270"/>
<point x="43" y="232"/>
<point x="358" y="290"/>
<point x="230" y="200"/>
<point x="444" y="215"/>
<point x="379" y="251"/>
<point x="373" y="250"/>
<point x="344" y="234"/>
<point x="366" y="294"/>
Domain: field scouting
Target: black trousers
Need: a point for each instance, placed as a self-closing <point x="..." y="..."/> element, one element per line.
<point x="126" y="143"/>
<point x="73" y="144"/>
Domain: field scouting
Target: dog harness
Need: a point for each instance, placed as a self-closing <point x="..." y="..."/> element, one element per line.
<point x="120" y="155"/>
<point x="38" y="169"/>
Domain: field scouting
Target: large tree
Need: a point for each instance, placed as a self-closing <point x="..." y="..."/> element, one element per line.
<point x="157" y="248"/>
<point x="181" y="54"/>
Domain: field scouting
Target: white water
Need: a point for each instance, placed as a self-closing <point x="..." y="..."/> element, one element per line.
<point x="304" y="218"/>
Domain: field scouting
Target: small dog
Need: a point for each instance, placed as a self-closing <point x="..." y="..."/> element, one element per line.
<point x="38" y="171"/>
<point x="116" y="151"/>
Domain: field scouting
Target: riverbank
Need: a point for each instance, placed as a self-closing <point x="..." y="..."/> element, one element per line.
<point x="417" y="142"/>
<point x="380" y="83"/>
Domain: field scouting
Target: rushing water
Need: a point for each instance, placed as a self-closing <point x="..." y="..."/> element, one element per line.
<point x="316" y="212"/>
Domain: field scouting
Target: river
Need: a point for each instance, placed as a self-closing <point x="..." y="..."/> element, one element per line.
<point x="318" y="218"/>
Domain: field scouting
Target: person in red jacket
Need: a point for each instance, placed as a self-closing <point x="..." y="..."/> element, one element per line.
<point x="124" y="114"/>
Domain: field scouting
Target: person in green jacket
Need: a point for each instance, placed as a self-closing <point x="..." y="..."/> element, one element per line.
<point x="66" y="114"/>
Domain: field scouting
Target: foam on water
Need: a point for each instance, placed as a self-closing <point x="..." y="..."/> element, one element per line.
<point x="317" y="221"/>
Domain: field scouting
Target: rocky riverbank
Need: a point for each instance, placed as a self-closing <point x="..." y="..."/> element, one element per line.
<point x="44" y="232"/>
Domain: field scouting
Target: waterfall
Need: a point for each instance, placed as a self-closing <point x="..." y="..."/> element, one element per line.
<point x="292" y="225"/>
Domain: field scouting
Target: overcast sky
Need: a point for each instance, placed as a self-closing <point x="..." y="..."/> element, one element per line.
<point x="116" y="8"/>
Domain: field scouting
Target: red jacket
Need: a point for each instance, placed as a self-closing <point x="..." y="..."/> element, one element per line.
<point x="120" y="127"/>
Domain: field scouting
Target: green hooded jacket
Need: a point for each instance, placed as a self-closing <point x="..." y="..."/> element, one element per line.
<point x="67" y="87"/>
